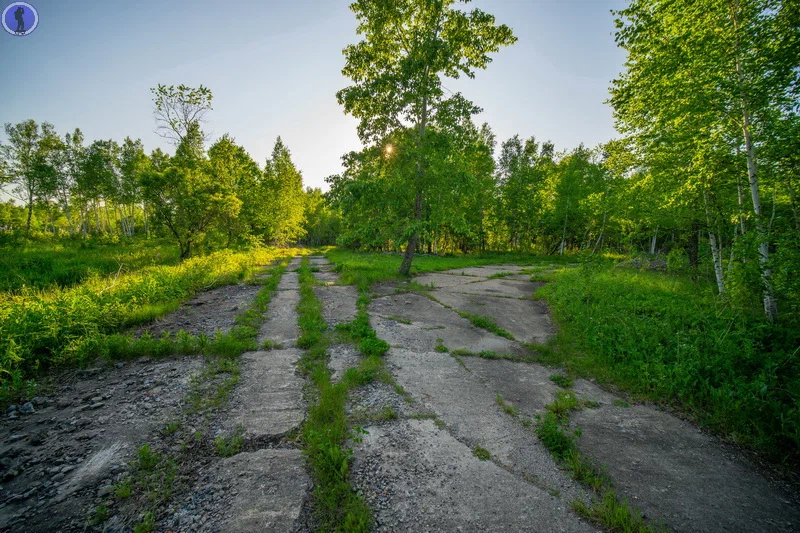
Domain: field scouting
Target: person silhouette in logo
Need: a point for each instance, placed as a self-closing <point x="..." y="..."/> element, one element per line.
<point x="19" y="14"/>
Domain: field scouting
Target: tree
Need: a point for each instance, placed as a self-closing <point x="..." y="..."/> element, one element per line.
<point x="231" y="165"/>
<point x="186" y="197"/>
<point x="397" y="70"/>
<point x="707" y="79"/>
<point x="283" y="211"/>
<point x="177" y="109"/>
<point x="25" y="161"/>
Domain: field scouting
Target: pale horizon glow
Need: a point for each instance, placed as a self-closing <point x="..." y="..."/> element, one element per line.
<point x="91" y="65"/>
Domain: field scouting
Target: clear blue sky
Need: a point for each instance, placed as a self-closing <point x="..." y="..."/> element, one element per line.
<point x="274" y="68"/>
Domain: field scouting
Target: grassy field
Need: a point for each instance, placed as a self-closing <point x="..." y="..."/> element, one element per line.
<point x="66" y="326"/>
<point x="659" y="336"/>
<point x="65" y="263"/>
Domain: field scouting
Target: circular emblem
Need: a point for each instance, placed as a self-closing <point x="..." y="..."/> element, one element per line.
<point x="20" y="18"/>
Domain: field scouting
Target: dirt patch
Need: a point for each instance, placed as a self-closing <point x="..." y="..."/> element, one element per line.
<point x="206" y="312"/>
<point x="60" y="461"/>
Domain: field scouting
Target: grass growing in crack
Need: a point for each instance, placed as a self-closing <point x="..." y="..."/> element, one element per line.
<point x="325" y="432"/>
<point x="489" y="354"/>
<point x="481" y="453"/>
<point x="565" y="402"/>
<point x="150" y="482"/>
<point x="228" y="446"/>
<point x="616" y="515"/>
<point x="270" y="344"/>
<point x="401" y="320"/>
<point x="507" y="407"/>
<point x="440" y="347"/>
<point x="561" y="380"/>
<point x="487" y="323"/>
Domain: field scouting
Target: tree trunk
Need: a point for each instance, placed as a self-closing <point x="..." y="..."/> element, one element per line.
<point x="770" y="307"/>
<point x="653" y="241"/>
<point x="600" y="237"/>
<point x="30" y="215"/>
<point x="716" y="252"/>
<point x="564" y="234"/>
<point x="408" y="257"/>
<point x="694" y="245"/>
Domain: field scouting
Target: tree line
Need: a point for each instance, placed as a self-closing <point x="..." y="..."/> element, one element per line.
<point x="197" y="195"/>
<point x="706" y="168"/>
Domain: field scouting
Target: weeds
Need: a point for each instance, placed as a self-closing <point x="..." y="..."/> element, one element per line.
<point x="481" y="453"/>
<point x="230" y="445"/>
<point x="561" y="380"/>
<point x="325" y="432"/>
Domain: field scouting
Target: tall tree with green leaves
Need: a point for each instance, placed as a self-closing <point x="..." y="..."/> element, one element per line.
<point x="705" y="74"/>
<point x="283" y="210"/>
<point x="408" y="46"/>
<point x="187" y="197"/>
<point x="25" y="161"/>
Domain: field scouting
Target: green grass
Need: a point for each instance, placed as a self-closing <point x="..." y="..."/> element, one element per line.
<point x="325" y="433"/>
<point x="40" y="329"/>
<point x="230" y="445"/>
<point x="65" y="263"/>
<point x="363" y="269"/>
<point x="669" y="339"/>
<point x="481" y="453"/>
<point x="561" y="380"/>
<point x="615" y="515"/>
<point x="487" y="323"/>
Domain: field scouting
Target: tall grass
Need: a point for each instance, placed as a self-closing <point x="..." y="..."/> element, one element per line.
<point x="65" y="263"/>
<point x="670" y="339"/>
<point x="62" y="326"/>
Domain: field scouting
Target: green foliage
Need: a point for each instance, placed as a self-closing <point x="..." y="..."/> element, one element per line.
<point x="552" y="433"/>
<point x="74" y="325"/>
<point x="561" y="380"/>
<point x="325" y="432"/>
<point x="670" y="339"/>
<point x="46" y="265"/>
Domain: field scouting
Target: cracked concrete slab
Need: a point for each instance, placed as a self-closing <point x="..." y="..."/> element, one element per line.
<point x="270" y="395"/>
<point x="432" y="321"/>
<point x="498" y="287"/>
<point x="527" y="320"/>
<point x="270" y="487"/>
<point x="469" y="408"/>
<point x="338" y="303"/>
<point x="289" y="282"/>
<point x="676" y="474"/>
<point x="281" y="323"/>
<point x="420" y="478"/>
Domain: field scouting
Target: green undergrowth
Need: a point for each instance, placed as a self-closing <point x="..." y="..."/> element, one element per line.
<point x="65" y="262"/>
<point x="73" y="326"/>
<point x="326" y="431"/>
<point x="670" y="339"/>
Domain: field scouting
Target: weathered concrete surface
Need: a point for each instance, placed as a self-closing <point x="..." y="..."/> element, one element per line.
<point x="663" y="465"/>
<point x="281" y="323"/>
<point x="527" y="320"/>
<point x="419" y="478"/>
<point x="431" y="321"/>
<point x="338" y="303"/>
<point x="270" y="486"/>
<point x="469" y="408"/>
<point x="527" y="386"/>
<point x="342" y="357"/>
<point x="270" y="392"/>
<point x="675" y="473"/>
<point x="503" y="287"/>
